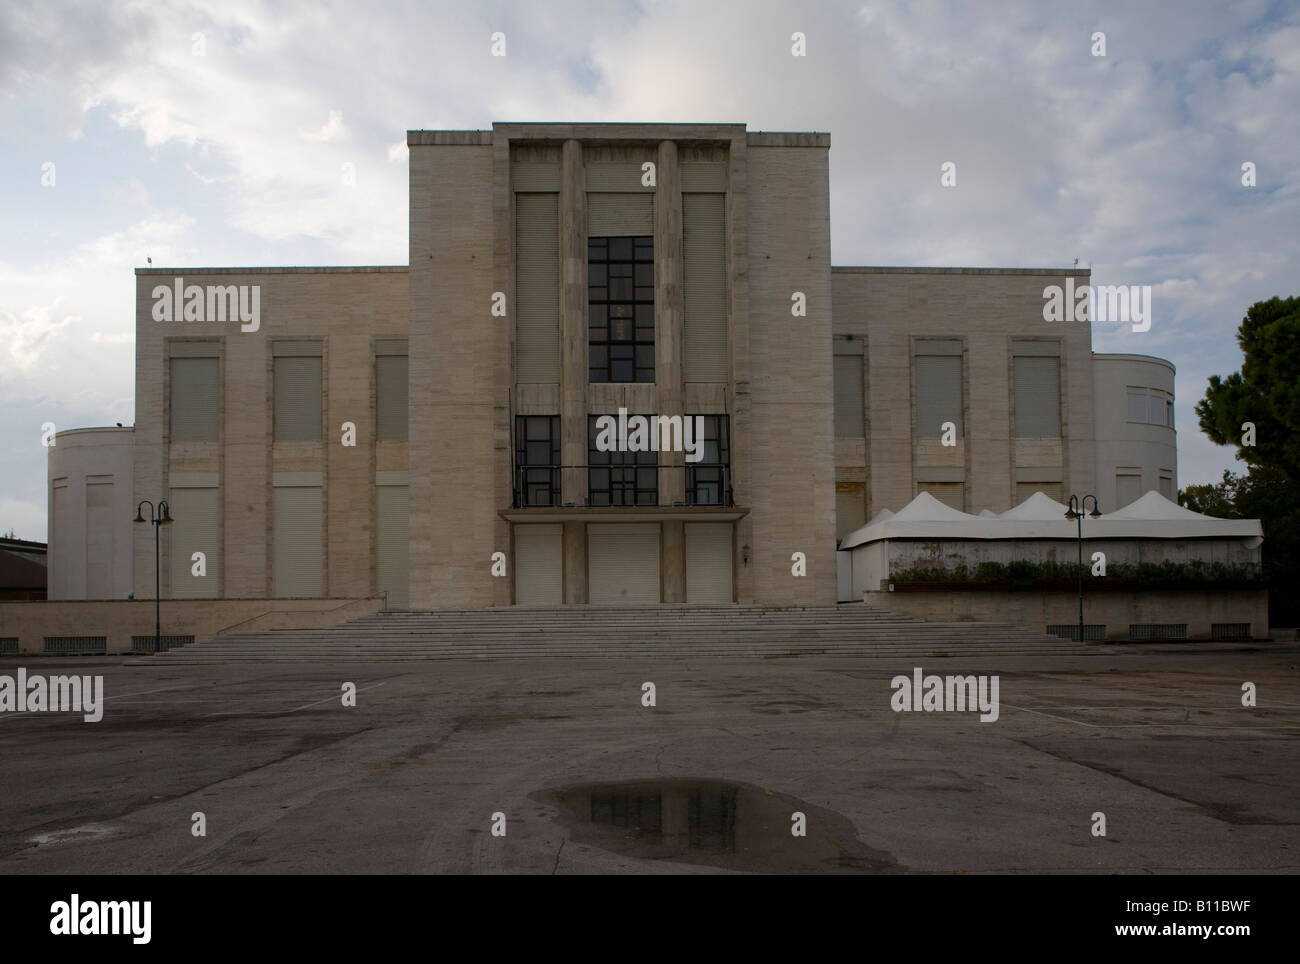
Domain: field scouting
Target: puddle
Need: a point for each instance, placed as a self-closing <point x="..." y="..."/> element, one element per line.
<point x="716" y="823"/>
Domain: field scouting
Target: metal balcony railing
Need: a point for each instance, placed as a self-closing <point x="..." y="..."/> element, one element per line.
<point x="706" y="484"/>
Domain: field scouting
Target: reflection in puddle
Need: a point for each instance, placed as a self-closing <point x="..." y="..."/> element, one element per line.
<point x="730" y="825"/>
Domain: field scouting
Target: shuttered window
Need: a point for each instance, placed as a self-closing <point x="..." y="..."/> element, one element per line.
<point x="195" y="398"/>
<point x="297" y="398"/>
<point x="951" y="494"/>
<point x="938" y="388"/>
<point x="704" y="320"/>
<point x="390" y="398"/>
<point x="537" y="286"/>
<point x="62" y="549"/>
<point x="195" y="515"/>
<point x="1128" y="488"/>
<point x="1053" y="490"/>
<point x="848" y="397"/>
<point x="1037" y="396"/>
<point x="297" y="542"/>
<point x="620" y="214"/>
<point x="392" y="543"/>
<point x="850" y="511"/>
<point x="99" y="540"/>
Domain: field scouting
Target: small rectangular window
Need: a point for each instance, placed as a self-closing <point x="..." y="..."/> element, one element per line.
<point x="1156" y="408"/>
<point x="1137" y="405"/>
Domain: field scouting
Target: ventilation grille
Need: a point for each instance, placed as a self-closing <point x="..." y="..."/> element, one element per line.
<point x="1156" y="632"/>
<point x="144" y="644"/>
<point x="1093" y="631"/>
<point x="77" y="645"/>
<point x="1225" y="631"/>
<point x="8" y="645"/>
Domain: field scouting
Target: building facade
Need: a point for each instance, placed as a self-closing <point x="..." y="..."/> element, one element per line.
<point x="438" y="432"/>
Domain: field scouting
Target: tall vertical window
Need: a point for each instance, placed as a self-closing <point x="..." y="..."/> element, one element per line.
<point x="938" y="386"/>
<point x="708" y="481"/>
<point x="537" y="460"/>
<point x="848" y="396"/>
<point x="620" y="478"/>
<point x="297" y="374"/>
<point x="195" y="396"/>
<point x="1036" y="373"/>
<point x="621" y="309"/>
<point x="391" y="391"/>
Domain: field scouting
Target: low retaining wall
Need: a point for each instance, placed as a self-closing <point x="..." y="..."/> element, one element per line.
<point x="117" y="620"/>
<point x="1117" y="611"/>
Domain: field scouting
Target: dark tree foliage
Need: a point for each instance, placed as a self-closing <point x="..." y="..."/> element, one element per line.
<point x="1266" y="393"/>
<point x="1263" y="392"/>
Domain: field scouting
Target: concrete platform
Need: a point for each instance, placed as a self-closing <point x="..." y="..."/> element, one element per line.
<point x="408" y="780"/>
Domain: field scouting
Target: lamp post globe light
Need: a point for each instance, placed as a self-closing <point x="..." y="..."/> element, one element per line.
<point x="157" y="519"/>
<point x="1076" y="511"/>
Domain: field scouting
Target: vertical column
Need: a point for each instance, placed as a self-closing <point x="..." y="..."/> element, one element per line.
<point x="573" y="323"/>
<point x="575" y="563"/>
<point x="669" y="304"/>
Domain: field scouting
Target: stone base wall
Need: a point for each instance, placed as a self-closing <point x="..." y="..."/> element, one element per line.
<point x="120" y="619"/>
<point x="1116" y="610"/>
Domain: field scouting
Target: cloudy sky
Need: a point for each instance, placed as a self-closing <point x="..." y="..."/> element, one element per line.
<point x="215" y="133"/>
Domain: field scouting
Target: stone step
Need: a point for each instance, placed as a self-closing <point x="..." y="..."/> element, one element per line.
<point x="623" y="632"/>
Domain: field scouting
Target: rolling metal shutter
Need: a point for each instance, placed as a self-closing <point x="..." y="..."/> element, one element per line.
<point x="620" y="215"/>
<point x="850" y="510"/>
<point x="951" y="494"/>
<point x="390" y="398"/>
<point x="392" y="523"/>
<point x="623" y="563"/>
<point x="99" y="540"/>
<point x="1128" y="489"/>
<point x="61" y="551"/>
<point x="297" y="398"/>
<point x="617" y="176"/>
<point x="537" y="288"/>
<point x="539" y="565"/>
<point x="848" y="397"/>
<point x="708" y="562"/>
<point x="194" y="399"/>
<point x="1053" y="490"/>
<point x="298" y="544"/>
<point x="195" y="529"/>
<point x="704" y="318"/>
<point x="1038" y="397"/>
<point x="703" y="176"/>
<point x="938" y="394"/>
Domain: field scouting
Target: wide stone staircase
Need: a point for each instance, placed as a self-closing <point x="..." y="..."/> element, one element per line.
<point x="616" y="633"/>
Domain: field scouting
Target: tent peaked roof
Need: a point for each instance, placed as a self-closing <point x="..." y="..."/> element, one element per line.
<point x="1153" y="506"/>
<point x="1038" y="507"/>
<point x="926" y="508"/>
<point x="1040" y="517"/>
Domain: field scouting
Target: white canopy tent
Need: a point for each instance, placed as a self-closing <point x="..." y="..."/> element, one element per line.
<point x="1040" y="517"/>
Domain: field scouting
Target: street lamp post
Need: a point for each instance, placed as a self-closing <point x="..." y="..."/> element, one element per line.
<point x="1076" y="511"/>
<point x="158" y="519"/>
